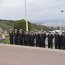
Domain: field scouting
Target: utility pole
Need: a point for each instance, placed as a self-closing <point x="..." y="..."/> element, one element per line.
<point x="26" y="16"/>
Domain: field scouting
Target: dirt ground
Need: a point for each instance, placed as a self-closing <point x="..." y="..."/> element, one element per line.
<point x="21" y="55"/>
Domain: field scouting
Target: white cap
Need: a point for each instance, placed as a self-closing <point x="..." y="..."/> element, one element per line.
<point x="63" y="31"/>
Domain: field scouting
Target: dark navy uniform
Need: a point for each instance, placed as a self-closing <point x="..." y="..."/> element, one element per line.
<point x="50" y="40"/>
<point x="57" y="41"/>
<point x="26" y="39"/>
<point x="43" y="37"/>
<point x="16" y="35"/>
<point x="11" y="35"/>
<point x="38" y="40"/>
<point x="20" y="38"/>
<point x="29" y="39"/>
<point x="63" y="41"/>
<point x="32" y="40"/>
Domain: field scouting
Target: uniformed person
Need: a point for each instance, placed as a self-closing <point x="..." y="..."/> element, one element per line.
<point x="63" y="40"/>
<point x="23" y="34"/>
<point x="43" y="38"/>
<point x="38" y="40"/>
<point x="20" y="38"/>
<point x="57" y="40"/>
<point x="11" y="35"/>
<point x="35" y="40"/>
<point x="36" y="37"/>
<point x="32" y="37"/>
<point x="16" y="35"/>
<point x="29" y="39"/>
<point x="26" y="38"/>
<point x="50" y="40"/>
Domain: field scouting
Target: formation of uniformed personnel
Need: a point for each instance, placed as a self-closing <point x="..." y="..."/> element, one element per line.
<point x="40" y="39"/>
<point x="11" y="35"/>
<point x="50" y="40"/>
<point x="37" y="39"/>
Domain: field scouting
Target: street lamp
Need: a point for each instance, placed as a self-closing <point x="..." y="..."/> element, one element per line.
<point x="60" y="20"/>
<point x="62" y="11"/>
<point x="26" y="16"/>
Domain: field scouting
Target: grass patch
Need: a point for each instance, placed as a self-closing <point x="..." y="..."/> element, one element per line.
<point x="6" y="41"/>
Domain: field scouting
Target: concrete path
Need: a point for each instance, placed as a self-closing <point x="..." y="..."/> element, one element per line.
<point x="21" y="55"/>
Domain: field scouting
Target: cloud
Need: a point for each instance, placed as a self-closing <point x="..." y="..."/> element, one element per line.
<point x="36" y="9"/>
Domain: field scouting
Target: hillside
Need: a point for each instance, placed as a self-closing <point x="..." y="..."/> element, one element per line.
<point x="7" y="24"/>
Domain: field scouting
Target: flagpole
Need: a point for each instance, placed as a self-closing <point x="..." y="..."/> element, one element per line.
<point x="26" y="16"/>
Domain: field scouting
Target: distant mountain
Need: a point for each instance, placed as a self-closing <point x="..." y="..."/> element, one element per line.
<point x="50" y="22"/>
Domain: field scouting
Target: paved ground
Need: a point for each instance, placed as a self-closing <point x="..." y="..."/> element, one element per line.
<point x="21" y="55"/>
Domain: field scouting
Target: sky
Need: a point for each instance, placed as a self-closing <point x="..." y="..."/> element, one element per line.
<point x="37" y="10"/>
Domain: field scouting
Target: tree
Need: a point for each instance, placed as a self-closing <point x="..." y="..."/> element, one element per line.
<point x="21" y="24"/>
